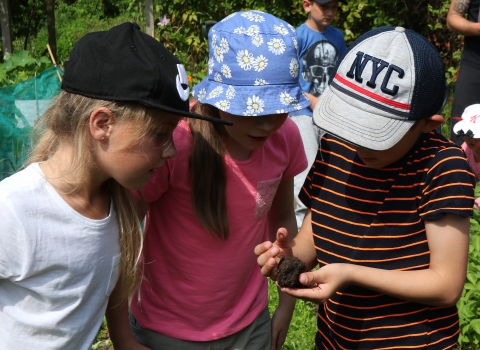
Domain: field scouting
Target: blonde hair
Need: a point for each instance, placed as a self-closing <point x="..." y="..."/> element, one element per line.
<point x="67" y="120"/>
<point x="207" y="173"/>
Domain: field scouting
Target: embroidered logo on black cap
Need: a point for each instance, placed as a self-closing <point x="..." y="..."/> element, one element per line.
<point x="181" y="81"/>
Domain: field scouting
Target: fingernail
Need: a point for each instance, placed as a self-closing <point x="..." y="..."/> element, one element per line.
<point x="271" y="263"/>
<point x="303" y="279"/>
<point x="275" y="250"/>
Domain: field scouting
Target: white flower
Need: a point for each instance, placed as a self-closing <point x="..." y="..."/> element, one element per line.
<point x="252" y="30"/>
<point x="215" y="92"/>
<point x="218" y="53"/>
<point x="193" y="92"/>
<point x="214" y="39"/>
<point x="217" y="77"/>
<point x="257" y="40"/>
<point x="210" y="65"/>
<point x="224" y="45"/>
<point x="286" y="99"/>
<point x="277" y="46"/>
<point x="223" y="105"/>
<point x="230" y="92"/>
<point x="249" y="112"/>
<point x="292" y="28"/>
<point x="280" y="29"/>
<point x="255" y="105"/>
<point x="239" y="30"/>
<point x="295" y="43"/>
<point x="226" y="71"/>
<point x="253" y="16"/>
<point x="294" y="67"/>
<point x="280" y="111"/>
<point x="260" y="82"/>
<point x="297" y="106"/>
<point x="202" y="93"/>
<point x="260" y="63"/>
<point x="245" y="59"/>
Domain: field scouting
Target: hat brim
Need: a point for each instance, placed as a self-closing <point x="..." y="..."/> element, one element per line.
<point x="157" y="106"/>
<point x="463" y="127"/>
<point x="186" y="114"/>
<point x="365" y="129"/>
<point x="276" y="99"/>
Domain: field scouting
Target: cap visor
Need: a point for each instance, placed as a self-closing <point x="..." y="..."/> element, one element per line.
<point x="356" y="126"/>
<point x="465" y="127"/>
<point x="188" y="114"/>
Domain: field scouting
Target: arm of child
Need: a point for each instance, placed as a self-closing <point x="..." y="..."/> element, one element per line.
<point x="313" y="99"/>
<point x="282" y="215"/>
<point x="439" y="285"/>
<point x="117" y="321"/>
<point x="456" y="21"/>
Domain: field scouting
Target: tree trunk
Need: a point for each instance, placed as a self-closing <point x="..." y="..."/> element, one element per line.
<point x="52" y="40"/>
<point x="6" y="27"/>
<point x="149" y="17"/>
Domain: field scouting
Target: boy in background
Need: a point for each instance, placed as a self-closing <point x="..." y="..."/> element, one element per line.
<point x="319" y="47"/>
<point x="389" y="203"/>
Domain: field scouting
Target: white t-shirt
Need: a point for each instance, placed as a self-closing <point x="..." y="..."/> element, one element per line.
<point x="57" y="267"/>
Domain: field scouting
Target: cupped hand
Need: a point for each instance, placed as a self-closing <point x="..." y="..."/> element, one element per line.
<point x="269" y="254"/>
<point x="323" y="283"/>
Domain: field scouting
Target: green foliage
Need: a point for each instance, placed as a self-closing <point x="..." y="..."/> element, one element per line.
<point x="20" y="66"/>
<point x="301" y="334"/>
<point x="469" y="303"/>
<point x="102" y="341"/>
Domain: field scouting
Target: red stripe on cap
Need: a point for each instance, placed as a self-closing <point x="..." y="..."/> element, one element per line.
<point x="371" y="94"/>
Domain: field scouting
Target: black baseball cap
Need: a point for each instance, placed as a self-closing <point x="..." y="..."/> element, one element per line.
<point x="124" y="64"/>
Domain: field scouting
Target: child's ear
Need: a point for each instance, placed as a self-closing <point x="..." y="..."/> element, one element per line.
<point x="432" y="123"/>
<point x="307" y="5"/>
<point x="100" y="123"/>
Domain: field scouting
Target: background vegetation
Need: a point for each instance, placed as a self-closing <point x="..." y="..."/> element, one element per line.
<point x="183" y="36"/>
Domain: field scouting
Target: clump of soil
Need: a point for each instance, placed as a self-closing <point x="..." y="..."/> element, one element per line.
<point x="289" y="269"/>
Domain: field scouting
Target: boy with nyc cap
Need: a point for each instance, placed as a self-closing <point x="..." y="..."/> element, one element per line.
<point x="389" y="201"/>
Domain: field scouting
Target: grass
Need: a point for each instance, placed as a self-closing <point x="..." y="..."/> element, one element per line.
<point x="301" y="334"/>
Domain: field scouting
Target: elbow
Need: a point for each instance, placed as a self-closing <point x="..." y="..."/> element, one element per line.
<point x="449" y="298"/>
<point x="450" y="28"/>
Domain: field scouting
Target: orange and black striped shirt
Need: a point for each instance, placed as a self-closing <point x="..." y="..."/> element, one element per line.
<point x="375" y="218"/>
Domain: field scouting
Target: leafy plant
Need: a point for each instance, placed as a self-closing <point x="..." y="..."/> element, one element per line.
<point x="21" y="66"/>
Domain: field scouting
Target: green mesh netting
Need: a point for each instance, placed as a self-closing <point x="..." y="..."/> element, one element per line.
<point x="20" y="106"/>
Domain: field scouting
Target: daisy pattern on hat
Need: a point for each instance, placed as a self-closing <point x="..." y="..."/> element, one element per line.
<point x="253" y="67"/>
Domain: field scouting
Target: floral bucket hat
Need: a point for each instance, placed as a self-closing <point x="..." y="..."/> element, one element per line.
<point x="247" y="52"/>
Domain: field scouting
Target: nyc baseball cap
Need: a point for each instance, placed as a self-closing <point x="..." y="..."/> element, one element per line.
<point x="126" y="65"/>
<point x="389" y="78"/>
<point x="470" y="124"/>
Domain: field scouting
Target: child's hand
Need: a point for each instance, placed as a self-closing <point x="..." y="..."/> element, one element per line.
<point x="269" y="254"/>
<point x="324" y="282"/>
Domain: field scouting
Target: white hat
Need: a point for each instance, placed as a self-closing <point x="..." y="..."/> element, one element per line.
<point x="470" y="124"/>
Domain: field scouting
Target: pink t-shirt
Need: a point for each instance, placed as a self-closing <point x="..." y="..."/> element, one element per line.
<point x="471" y="161"/>
<point x="198" y="287"/>
<point x="475" y="168"/>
